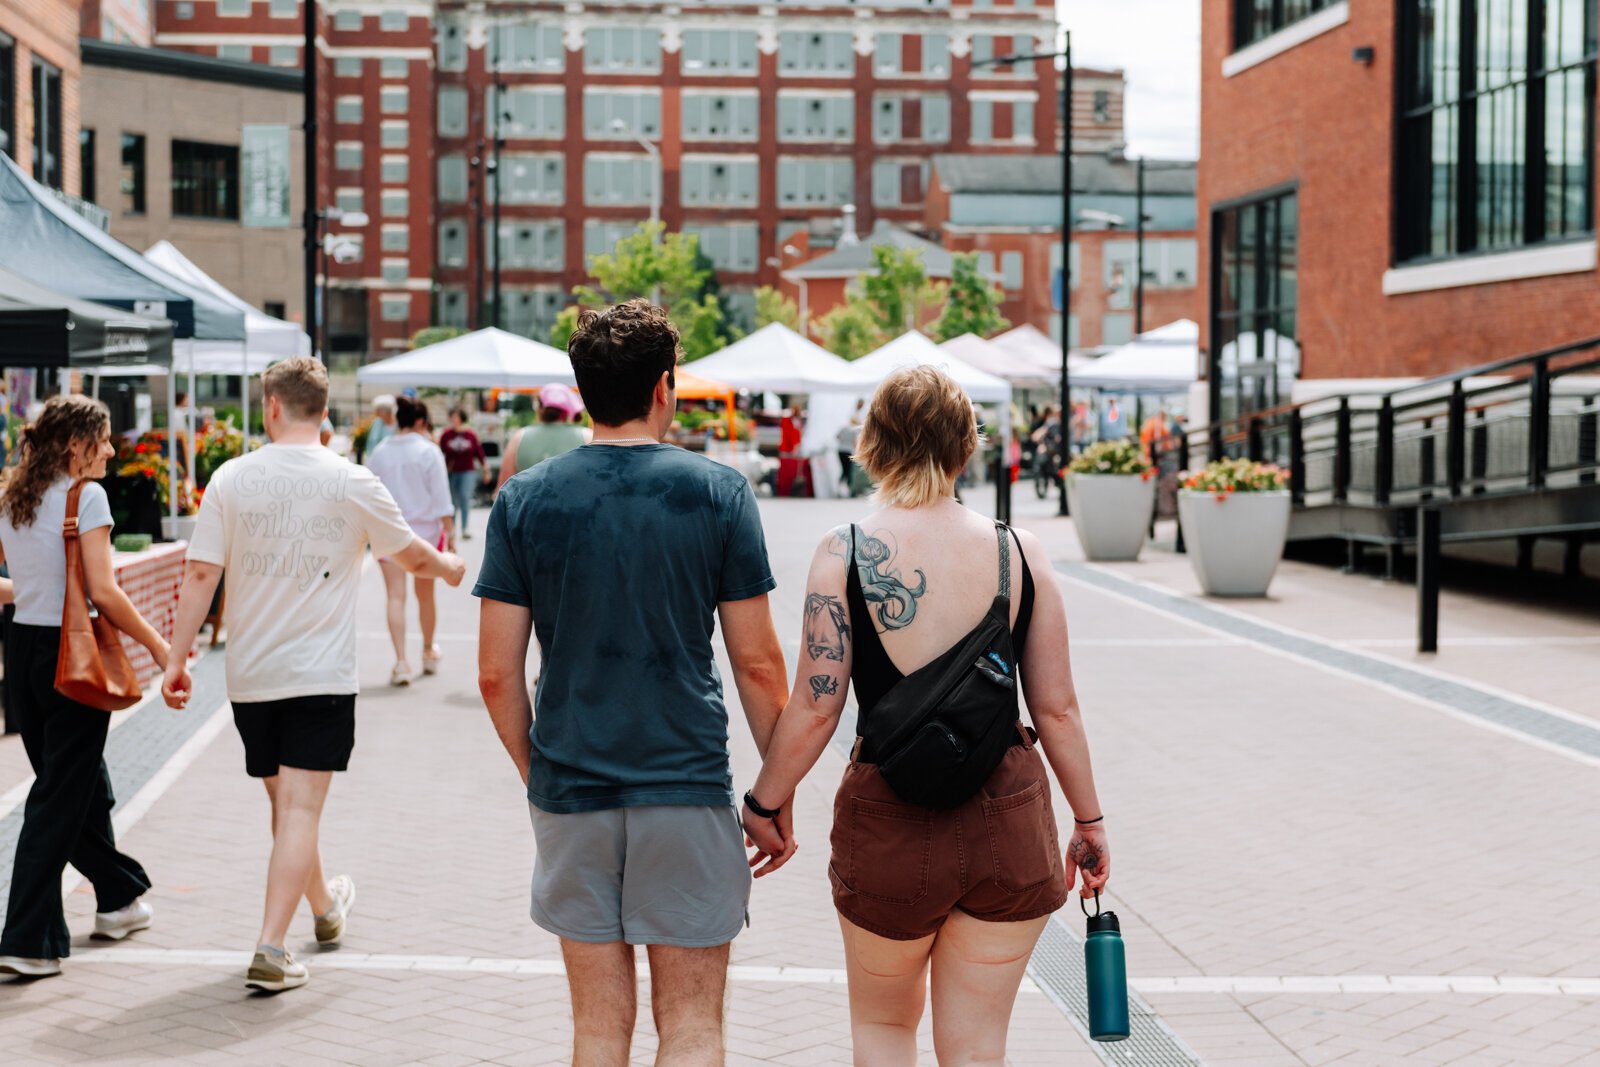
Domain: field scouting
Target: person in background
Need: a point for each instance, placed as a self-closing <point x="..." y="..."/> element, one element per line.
<point x="383" y="416"/>
<point x="68" y="813"/>
<point x="291" y="656"/>
<point x="557" y="432"/>
<point x="791" y="464"/>
<point x="325" y="432"/>
<point x="845" y="440"/>
<point x="463" y="455"/>
<point x="412" y="468"/>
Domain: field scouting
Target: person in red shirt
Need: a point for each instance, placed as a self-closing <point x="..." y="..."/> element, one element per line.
<point x="463" y="455"/>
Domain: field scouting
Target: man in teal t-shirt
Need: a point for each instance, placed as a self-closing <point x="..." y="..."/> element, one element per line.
<point x="620" y="557"/>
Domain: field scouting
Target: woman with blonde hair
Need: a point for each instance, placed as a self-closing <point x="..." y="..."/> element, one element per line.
<point x="961" y="876"/>
<point x="68" y="813"/>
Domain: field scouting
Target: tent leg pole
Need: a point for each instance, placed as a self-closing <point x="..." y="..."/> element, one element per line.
<point x="172" y="441"/>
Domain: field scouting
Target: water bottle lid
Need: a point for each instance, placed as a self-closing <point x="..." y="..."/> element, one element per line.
<point x="1101" y="922"/>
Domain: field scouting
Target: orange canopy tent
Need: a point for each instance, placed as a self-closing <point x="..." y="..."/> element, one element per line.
<point x="690" y="387"/>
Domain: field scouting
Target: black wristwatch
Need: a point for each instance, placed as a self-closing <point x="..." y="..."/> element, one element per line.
<point x="765" y="813"/>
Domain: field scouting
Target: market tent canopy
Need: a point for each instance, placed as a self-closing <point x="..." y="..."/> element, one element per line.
<point x="486" y="359"/>
<point x="915" y="350"/>
<point x="775" y="359"/>
<point x="1021" y="372"/>
<point x="43" y="328"/>
<point x="266" y="339"/>
<point x="694" y="387"/>
<point x="1035" y="346"/>
<point x="51" y="244"/>
<point x="1164" y="360"/>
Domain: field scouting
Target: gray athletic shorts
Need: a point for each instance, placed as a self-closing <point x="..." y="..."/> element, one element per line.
<point x="654" y="875"/>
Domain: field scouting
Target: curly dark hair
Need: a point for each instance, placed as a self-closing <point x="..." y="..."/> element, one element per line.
<point x="44" y="452"/>
<point x="618" y="355"/>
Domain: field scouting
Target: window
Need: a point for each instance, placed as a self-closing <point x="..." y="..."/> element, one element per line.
<point x="347" y="155"/>
<point x="529" y="47"/>
<point x="394" y="66"/>
<point x="1496" y="147"/>
<point x="1002" y="121"/>
<point x="910" y="118"/>
<point x="283" y="9"/>
<point x="805" y="117"/>
<point x="86" y="167"/>
<point x="284" y="55"/>
<point x="609" y="114"/>
<point x="1255" y="19"/>
<point x="394" y="100"/>
<point x="609" y="179"/>
<point x="452" y="244"/>
<point x="1011" y="271"/>
<point x="532" y="112"/>
<point x="801" y="52"/>
<point x="393" y="21"/>
<point x="239" y="53"/>
<point x="1102" y="107"/>
<point x="453" y="308"/>
<point x="395" y="271"/>
<point x="808" y="181"/>
<point x="205" y="180"/>
<point x="531" y="312"/>
<point x="740" y="304"/>
<point x="347" y="66"/>
<point x="619" y="49"/>
<point x="733" y="247"/>
<point x="887" y="123"/>
<point x="183" y="10"/>
<point x="1169" y="263"/>
<point x="47" y="168"/>
<point x="396" y="203"/>
<point x="899" y="183"/>
<point x="530" y="244"/>
<point x="600" y="236"/>
<point x="533" y="178"/>
<point x="394" y="133"/>
<point x="719" y="52"/>
<point x="394" y="307"/>
<point x="452" y="48"/>
<point x="275" y="308"/>
<point x="988" y="46"/>
<point x="395" y="169"/>
<point x="1116" y="328"/>
<point x="132" y="180"/>
<point x="346" y="20"/>
<point x="347" y="200"/>
<point x="453" y="179"/>
<point x="8" y="94"/>
<point x="1255" y="259"/>
<point x="395" y="238"/>
<point x="233" y="8"/>
<point x="347" y="109"/>
<point x="936" y="119"/>
<point x="452" y="111"/>
<point x="719" y="180"/>
<point x="930" y="55"/>
<point x="720" y="117"/>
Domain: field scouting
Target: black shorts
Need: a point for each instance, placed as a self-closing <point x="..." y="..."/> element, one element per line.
<point x="313" y="733"/>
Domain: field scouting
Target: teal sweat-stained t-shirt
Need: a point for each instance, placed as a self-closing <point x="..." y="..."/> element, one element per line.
<point x="623" y="553"/>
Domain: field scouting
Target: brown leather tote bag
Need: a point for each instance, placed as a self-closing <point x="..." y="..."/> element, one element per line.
<point x="92" y="668"/>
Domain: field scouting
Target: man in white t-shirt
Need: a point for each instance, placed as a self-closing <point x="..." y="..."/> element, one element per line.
<point x="290" y="524"/>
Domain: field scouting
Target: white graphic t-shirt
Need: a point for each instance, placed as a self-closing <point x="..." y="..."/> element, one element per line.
<point x="289" y="524"/>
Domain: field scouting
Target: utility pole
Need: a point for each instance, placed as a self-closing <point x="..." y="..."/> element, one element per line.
<point x="478" y="234"/>
<point x="499" y="140"/>
<point x="309" y="89"/>
<point x="1138" y="282"/>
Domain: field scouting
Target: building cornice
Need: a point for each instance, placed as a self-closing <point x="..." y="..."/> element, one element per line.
<point x="98" y="53"/>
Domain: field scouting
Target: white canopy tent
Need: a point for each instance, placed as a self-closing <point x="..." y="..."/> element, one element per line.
<point x="775" y="359"/>
<point x="1163" y="360"/>
<point x="486" y="359"/>
<point x="1021" y="372"/>
<point x="1035" y="346"/>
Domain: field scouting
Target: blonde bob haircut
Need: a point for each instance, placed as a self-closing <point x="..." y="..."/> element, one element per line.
<point x="918" y="434"/>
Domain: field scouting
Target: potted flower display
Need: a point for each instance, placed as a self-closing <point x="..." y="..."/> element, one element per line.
<point x="1110" y="492"/>
<point x="145" y="460"/>
<point x="1235" y="516"/>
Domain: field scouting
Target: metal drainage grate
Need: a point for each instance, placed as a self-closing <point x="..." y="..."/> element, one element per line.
<point x="1057" y="969"/>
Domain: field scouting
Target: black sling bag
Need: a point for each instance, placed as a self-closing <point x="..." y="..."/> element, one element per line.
<point x="941" y="731"/>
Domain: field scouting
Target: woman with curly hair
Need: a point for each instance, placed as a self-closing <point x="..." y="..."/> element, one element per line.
<point x="68" y="814"/>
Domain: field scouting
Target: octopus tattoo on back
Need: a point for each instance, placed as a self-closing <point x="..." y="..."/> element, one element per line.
<point x="893" y="602"/>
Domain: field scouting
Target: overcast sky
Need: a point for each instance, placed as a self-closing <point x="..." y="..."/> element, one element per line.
<point x="1158" y="43"/>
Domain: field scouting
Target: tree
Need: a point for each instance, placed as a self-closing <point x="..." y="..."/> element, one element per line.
<point x="651" y="261"/>
<point x="772" y="306"/>
<point x="973" y="305"/>
<point x="852" y="329"/>
<point x="898" y="289"/>
<point x="566" y="325"/>
<point x="432" y="335"/>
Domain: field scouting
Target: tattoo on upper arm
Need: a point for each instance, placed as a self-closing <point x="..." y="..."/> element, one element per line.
<point x="823" y="685"/>
<point x="827" y="627"/>
<point x="894" y="602"/>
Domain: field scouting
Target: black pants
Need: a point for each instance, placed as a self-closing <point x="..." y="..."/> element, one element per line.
<point x="68" y="814"/>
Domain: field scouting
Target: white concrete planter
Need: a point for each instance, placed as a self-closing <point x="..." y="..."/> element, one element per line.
<point x="1111" y="513"/>
<point x="180" y="528"/>
<point x="1234" y="541"/>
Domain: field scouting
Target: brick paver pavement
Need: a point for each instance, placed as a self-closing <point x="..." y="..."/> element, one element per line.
<point x="1269" y="818"/>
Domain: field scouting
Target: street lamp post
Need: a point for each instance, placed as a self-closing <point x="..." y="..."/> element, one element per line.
<point x="310" y="220"/>
<point x="1138" y="254"/>
<point x="499" y="142"/>
<point x="1065" y="54"/>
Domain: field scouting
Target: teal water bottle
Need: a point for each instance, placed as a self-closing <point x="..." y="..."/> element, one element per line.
<point x="1106" y="968"/>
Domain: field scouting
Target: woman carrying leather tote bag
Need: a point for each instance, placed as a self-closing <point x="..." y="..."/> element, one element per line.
<point x="69" y="805"/>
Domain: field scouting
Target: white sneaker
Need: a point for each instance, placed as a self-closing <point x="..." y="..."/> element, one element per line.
<point x="29" y="968"/>
<point x="116" y="925"/>
<point x="330" y="927"/>
<point x="401" y="675"/>
<point x="430" y="660"/>
<point x="274" y="970"/>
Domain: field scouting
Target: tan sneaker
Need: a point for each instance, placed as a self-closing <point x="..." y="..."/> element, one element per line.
<point x="430" y="660"/>
<point x="274" y="970"/>
<point x="330" y="927"/>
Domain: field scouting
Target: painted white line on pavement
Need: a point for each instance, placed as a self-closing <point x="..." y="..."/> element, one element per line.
<point x="1473" y="985"/>
<point x="1409" y="643"/>
<point x="1155" y="642"/>
<point x="11" y="798"/>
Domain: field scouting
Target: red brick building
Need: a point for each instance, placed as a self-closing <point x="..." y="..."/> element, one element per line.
<point x="39" y="71"/>
<point x="1393" y="189"/>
